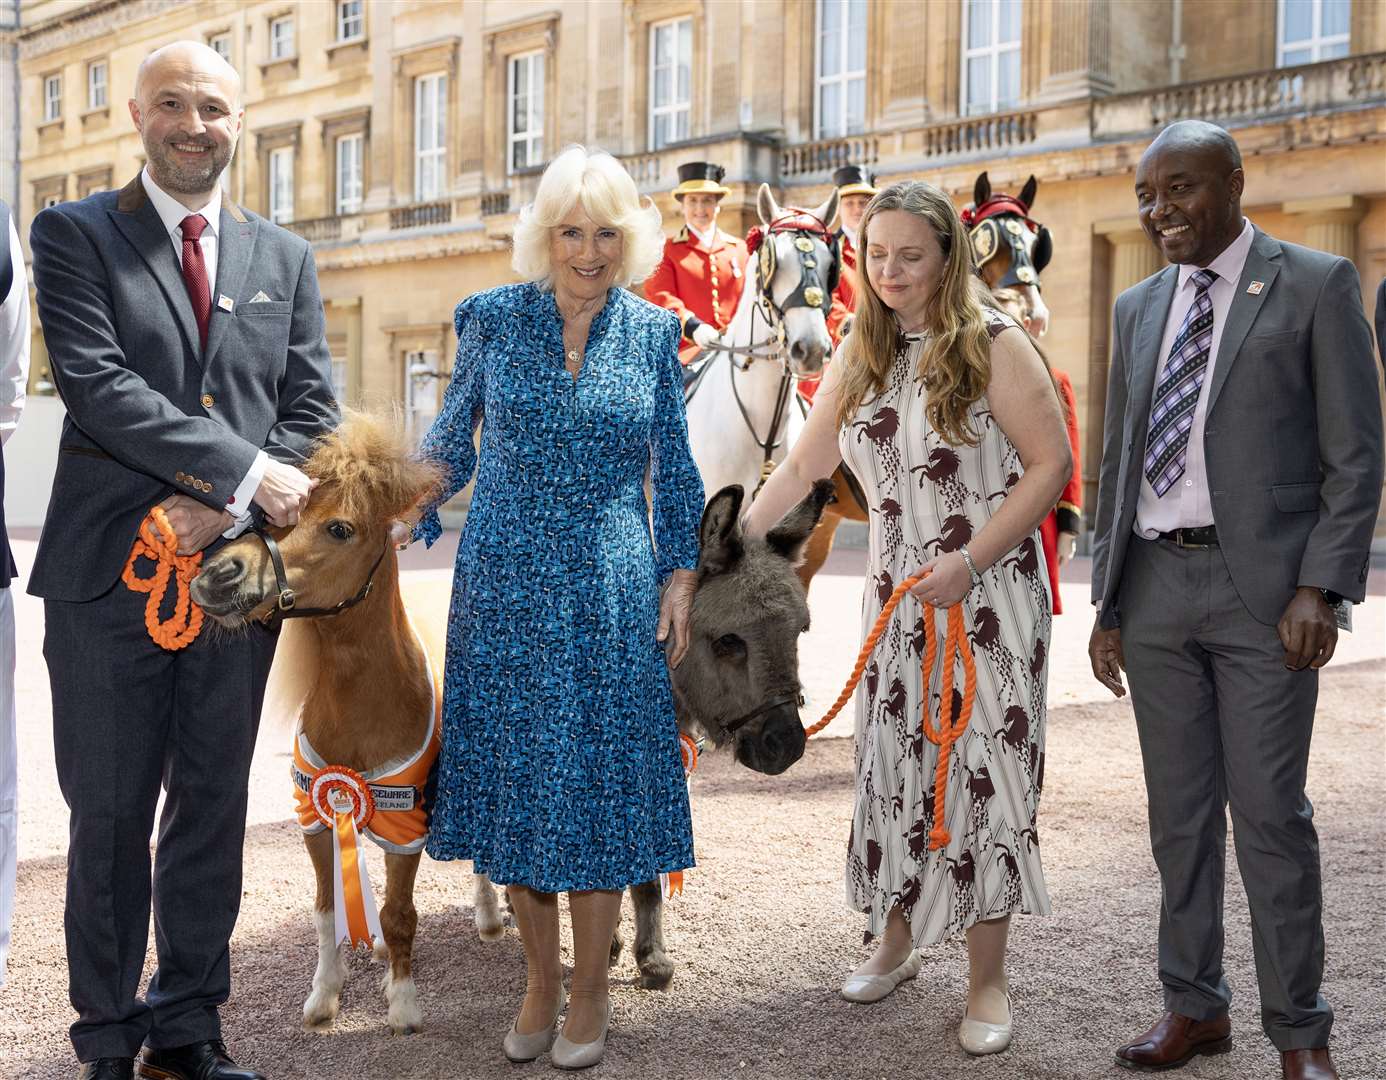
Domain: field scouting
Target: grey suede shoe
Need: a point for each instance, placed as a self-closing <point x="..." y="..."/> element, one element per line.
<point x="521" y="1048"/>
<point x="571" y="1055"/>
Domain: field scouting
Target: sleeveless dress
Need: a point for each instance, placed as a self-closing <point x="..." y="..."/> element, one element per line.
<point x="926" y="498"/>
<point x="561" y="767"/>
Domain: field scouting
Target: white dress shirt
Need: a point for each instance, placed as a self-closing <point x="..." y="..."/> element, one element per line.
<point x="171" y="212"/>
<point x="14" y="342"/>
<point x="705" y="240"/>
<point x="1187" y="504"/>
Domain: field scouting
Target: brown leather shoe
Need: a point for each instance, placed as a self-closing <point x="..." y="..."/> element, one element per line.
<point x="1308" y="1065"/>
<point x="1176" y="1040"/>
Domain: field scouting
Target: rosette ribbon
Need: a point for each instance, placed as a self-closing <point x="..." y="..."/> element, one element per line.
<point x="343" y="801"/>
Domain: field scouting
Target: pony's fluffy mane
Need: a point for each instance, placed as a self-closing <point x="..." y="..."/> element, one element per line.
<point x="370" y="473"/>
<point x="371" y="467"/>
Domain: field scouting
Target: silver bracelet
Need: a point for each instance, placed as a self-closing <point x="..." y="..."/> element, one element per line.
<point x="971" y="566"/>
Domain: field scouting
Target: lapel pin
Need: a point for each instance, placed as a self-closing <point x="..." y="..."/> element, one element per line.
<point x="226" y="303"/>
<point x="1254" y="289"/>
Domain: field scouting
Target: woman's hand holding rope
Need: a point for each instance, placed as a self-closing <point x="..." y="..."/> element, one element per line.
<point x="948" y="580"/>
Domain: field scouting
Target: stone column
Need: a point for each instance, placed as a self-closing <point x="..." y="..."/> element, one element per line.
<point x="1077" y="62"/>
<point x="1330" y="222"/>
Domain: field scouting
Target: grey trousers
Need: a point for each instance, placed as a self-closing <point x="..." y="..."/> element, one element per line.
<point x="128" y="719"/>
<point x="1223" y="723"/>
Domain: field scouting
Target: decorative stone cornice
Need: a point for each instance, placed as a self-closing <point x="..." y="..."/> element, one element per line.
<point x="97" y="19"/>
<point x="369" y="251"/>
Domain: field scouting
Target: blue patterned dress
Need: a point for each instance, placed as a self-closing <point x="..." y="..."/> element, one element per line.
<point x="560" y="767"/>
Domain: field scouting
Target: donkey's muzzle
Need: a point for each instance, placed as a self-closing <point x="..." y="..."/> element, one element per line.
<point x="776" y="745"/>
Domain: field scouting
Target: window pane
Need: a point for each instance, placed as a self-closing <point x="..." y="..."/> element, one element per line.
<point x="1295" y="56"/>
<point x="1298" y="20"/>
<point x="1008" y="78"/>
<point x="978" y="23"/>
<point x="856" y="14"/>
<point x="829" y="15"/>
<point x="830" y="110"/>
<point x="856" y="105"/>
<point x="681" y="124"/>
<point x="830" y="56"/>
<point x="1327" y="52"/>
<point x="661" y="45"/>
<point x="1336" y="18"/>
<point x="661" y="87"/>
<point x="979" y="84"/>
<point x="1008" y="29"/>
<point x="856" y="49"/>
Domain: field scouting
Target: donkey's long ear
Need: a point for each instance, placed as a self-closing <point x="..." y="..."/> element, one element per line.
<point x="766" y="206"/>
<point x="1027" y="193"/>
<point x="981" y="190"/>
<point x="791" y="534"/>
<point x="720" y="532"/>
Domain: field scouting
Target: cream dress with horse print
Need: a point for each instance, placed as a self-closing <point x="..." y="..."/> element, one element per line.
<point x="928" y="497"/>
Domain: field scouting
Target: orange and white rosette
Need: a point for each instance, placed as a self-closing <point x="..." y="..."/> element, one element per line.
<point x="342" y="800"/>
<point x="671" y="884"/>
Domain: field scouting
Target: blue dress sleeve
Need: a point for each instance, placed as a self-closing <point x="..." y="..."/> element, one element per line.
<point x="449" y="441"/>
<point x="676" y="484"/>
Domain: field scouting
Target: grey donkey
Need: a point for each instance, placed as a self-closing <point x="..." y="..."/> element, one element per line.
<point x="738" y="685"/>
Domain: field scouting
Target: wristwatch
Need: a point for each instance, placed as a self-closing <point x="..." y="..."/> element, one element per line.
<point x="1331" y="598"/>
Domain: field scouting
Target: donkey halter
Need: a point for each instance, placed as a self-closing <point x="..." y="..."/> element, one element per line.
<point x="286" y="603"/>
<point x="1004" y="221"/>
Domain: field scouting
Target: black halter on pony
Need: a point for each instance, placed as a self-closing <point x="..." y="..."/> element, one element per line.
<point x="996" y="220"/>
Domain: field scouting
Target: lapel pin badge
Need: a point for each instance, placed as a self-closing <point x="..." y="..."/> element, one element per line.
<point x="226" y="303"/>
<point x="1254" y="289"/>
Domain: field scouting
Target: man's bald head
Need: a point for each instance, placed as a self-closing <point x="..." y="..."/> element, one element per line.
<point x="1201" y="137"/>
<point x="187" y="56"/>
<point x="1188" y="191"/>
<point x="187" y="108"/>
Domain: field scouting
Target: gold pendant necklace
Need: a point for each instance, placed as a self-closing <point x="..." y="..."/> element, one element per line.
<point x="573" y="356"/>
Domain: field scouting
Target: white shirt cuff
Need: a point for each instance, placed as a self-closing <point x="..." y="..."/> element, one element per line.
<point x="238" y="506"/>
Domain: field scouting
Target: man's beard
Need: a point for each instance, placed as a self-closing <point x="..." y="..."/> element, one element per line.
<point x="188" y="179"/>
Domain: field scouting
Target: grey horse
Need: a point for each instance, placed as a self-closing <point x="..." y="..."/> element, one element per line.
<point x="738" y="686"/>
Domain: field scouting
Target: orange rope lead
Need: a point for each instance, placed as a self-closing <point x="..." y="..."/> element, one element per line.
<point x="158" y="543"/>
<point x="949" y="730"/>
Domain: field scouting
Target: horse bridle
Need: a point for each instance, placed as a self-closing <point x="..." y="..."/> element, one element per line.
<point x="733" y="726"/>
<point x="814" y="290"/>
<point x="286" y="603"/>
<point x="1004" y="221"/>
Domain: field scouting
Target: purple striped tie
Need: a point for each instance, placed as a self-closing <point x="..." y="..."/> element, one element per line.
<point x="1166" y="448"/>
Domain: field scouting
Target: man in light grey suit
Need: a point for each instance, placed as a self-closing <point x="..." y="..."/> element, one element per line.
<point x="1241" y="471"/>
<point x="186" y="338"/>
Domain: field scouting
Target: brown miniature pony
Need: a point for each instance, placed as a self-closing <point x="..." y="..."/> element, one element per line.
<point x="357" y="675"/>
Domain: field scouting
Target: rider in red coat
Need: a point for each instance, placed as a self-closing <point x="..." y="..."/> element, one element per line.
<point x="704" y="269"/>
<point x="855" y="187"/>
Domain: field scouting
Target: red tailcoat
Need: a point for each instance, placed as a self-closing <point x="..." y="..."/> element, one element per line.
<point x="1068" y="515"/>
<point x="692" y="280"/>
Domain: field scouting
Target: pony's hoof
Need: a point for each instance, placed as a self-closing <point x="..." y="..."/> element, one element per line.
<point x="490" y="932"/>
<point x="320" y="1011"/>
<point x="656" y="974"/>
<point x="616" y="945"/>
<point x="405" y="1018"/>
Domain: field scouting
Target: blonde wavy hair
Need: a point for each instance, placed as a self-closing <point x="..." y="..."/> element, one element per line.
<point x="608" y="194"/>
<point x="955" y="366"/>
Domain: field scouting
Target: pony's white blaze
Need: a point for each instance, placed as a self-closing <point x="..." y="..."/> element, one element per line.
<point x="733" y="410"/>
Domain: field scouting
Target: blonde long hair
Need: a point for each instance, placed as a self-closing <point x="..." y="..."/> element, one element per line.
<point x="955" y="366"/>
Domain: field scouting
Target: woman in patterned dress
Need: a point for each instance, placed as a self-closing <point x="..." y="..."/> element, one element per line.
<point x="947" y="415"/>
<point x="561" y="769"/>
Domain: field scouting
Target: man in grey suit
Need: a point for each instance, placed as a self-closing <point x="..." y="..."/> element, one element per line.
<point x="1241" y="471"/>
<point x="186" y="338"/>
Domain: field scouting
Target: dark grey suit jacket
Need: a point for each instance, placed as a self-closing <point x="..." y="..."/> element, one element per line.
<point x="1293" y="438"/>
<point x="149" y="413"/>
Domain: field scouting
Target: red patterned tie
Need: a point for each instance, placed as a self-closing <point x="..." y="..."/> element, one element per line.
<point x="195" y="272"/>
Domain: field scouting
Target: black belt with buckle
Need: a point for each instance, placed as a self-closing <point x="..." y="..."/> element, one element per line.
<point x="1205" y="536"/>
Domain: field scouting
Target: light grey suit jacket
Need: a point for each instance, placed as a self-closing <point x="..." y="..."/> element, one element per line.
<point x="149" y="412"/>
<point x="1293" y="438"/>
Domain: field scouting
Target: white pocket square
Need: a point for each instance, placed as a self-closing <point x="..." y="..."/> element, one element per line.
<point x="260" y="298"/>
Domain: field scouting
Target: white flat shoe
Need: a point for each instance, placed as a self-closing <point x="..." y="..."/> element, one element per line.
<point x="571" y="1055"/>
<point x="979" y="1038"/>
<point x="521" y="1048"/>
<point x="869" y="988"/>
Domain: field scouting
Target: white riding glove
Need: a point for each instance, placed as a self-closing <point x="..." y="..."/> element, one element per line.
<point x="704" y="334"/>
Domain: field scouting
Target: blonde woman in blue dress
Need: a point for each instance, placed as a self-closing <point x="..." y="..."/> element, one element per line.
<point x="950" y="420"/>
<point x="560" y="769"/>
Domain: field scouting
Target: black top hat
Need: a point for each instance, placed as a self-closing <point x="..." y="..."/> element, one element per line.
<point x="854" y="180"/>
<point x="701" y="176"/>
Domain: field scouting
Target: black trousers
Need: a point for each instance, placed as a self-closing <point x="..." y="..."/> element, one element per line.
<point x="130" y="718"/>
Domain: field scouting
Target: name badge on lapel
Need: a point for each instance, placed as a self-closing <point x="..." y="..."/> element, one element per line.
<point x="1254" y="289"/>
<point x="225" y="302"/>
